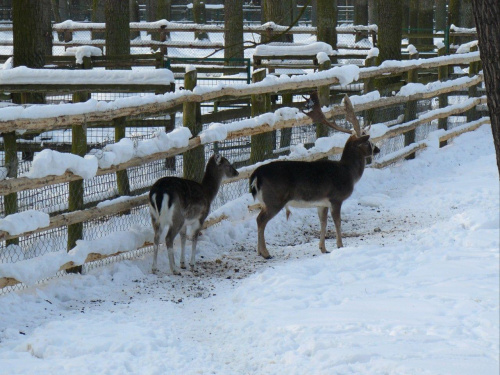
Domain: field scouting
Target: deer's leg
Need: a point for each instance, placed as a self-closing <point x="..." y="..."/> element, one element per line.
<point x="323" y="217"/>
<point x="336" y="219"/>
<point x="266" y="214"/>
<point x="169" y="240"/>
<point x="194" y="242"/>
<point x="183" y="247"/>
<point x="157" y="230"/>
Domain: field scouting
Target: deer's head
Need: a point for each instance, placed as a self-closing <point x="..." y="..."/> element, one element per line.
<point x="359" y="138"/>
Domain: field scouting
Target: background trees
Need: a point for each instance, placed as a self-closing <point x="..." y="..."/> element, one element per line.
<point x="487" y="18"/>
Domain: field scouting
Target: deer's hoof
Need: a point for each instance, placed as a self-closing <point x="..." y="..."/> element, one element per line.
<point x="183" y="266"/>
<point x="154" y="271"/>
<point x="265" y="256"/>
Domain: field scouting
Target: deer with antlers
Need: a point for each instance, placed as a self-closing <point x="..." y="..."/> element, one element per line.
<point x="324" y="184"/>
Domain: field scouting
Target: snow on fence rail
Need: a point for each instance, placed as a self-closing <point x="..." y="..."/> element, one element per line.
<point x="284" y="118"/>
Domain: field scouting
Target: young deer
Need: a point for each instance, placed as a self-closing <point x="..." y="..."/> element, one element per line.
<point x="323" y="184"/>
<point x="178" y="203"/>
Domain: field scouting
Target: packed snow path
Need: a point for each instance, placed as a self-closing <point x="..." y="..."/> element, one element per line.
<point x="415" y="290"/>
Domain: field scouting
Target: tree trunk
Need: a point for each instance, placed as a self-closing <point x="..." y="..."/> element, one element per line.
<point x="426" y="22"/>
<point x="327" y="22"/>
<point x="390" y="14"/>
<point x="373" y="12"/>
<point x="389" y="45"/>
<point x="441" y="15"/>
<point x="314" y="13"/>
<point x="262" y="145"/>
<point x="118" y="44"/>
<point x="487" y="17"/>
<point x="164" y="10"/>
<point x="134" y="16"/>
<point x="32" y="35"/>
<point x="193" y="160"/>
<point x="97" y="16"/>
<point x="279" y="12"/>
<point x="200" y="17"/>
<point x="233" y="30"/>
<point x="117" y="18"/>
<point x="461" y="15"/>
<point x="413" y="21"/>
<point x="151" y="10"/>
<point x="32" y="39"/>
<point x="361" y="17"/>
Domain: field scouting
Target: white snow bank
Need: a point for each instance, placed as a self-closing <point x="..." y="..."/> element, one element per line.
<point x="416" y="88"/>
<point x="421" y="296"/>
<point x="345" y="74"/>
<point x="50" y="162"/>
<point x="8" y="64"/>
<point x="23" y="222"/>
<point x="217" y="132"/>
<point x="24" y="75"/>
<point x="32" y="270"/>
<point x="466" y="47"/>
<point x="81" y="52"/>
<point x="295" y="50"/>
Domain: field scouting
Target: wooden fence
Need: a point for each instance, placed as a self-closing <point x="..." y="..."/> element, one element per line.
<point x="161" y="29"/>
<point x="165" y="103"/>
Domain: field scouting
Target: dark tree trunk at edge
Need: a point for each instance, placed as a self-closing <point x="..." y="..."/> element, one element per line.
<point x="487" y="17"/>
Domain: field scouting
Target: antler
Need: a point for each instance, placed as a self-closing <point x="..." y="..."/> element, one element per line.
<point x="351" y="116"/>
<point x="317" y="115"/>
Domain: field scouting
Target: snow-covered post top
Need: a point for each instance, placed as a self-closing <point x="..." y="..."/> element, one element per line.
<point x="412" y="51"/>
<point x="82" y="51"/>
<point x="371" y="58"/>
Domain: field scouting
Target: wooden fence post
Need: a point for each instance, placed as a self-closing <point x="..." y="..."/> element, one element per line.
<point x="76" y="188"/>
<point x="11" y="163"/>
<point x="411" y="107"/>
<point x="443" y="98"/>
<point x="473" y="114"/>
<point x="369" y="85"/>
<point x="261" y="144"/>
<point x="324" y="99"/>
<point x="286" y="134"/>
<point x="193" y="160"/>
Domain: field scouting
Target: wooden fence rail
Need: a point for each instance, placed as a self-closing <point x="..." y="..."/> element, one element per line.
<point x="164" y="103"/>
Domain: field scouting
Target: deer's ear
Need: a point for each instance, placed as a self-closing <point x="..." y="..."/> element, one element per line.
<point x="362" y="139"/>
<point x="218" y="158"/>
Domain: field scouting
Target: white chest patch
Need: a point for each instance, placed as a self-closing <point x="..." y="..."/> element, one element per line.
<point x="306" y="204"/>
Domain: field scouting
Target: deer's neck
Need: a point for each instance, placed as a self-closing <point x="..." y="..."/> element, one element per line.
<point x="355" y="161"/>
<point x="210" y="184"/>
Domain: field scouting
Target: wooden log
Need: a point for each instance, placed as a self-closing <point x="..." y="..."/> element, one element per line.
<point x="324" y="99"/>
<point x="193" y="160"/>
<point x="443" y="98"/>
<point x="11" y="162"/>
<point x="76" y="188"/>
<point x="262" y="144"/>
<point x="286" y="133"/>
<point x="369" y="86"/>
<point x="411" y="108"/>
<point x="472" y="114"/>
<point x="420" y="64"/>
<point x="421" y="145"/>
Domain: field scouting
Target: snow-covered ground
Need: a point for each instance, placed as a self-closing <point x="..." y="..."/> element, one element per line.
<point x="415" y="290"/>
